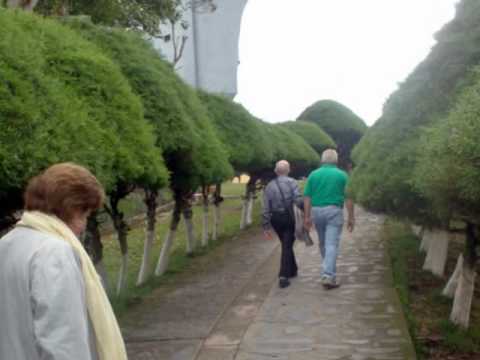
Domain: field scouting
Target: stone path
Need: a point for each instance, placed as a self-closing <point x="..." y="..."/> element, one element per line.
<point x="221" y="296"/>
<point x="362" y="320"/>
<point x="235" y="311"/>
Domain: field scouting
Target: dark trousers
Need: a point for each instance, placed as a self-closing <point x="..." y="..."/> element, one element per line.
<point x="284" y="226"/>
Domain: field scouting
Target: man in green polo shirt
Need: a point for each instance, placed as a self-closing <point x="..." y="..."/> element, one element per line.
<point x="324" y="198"/>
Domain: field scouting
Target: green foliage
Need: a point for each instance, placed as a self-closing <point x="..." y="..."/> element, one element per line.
<point x="386" y="157"/>
<point x="447" y="172"/>
<point x="318" y="139"/>
<point x="193" y="153"/>
<point x="63" y="100"/>
<point x="293" y="148"/>
<point x="345" y="128"/>
<point x="247" y="146"/>
<point x="145" y="15"/>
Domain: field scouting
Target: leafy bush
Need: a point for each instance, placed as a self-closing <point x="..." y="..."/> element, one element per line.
<point x="318" y="139"/>
<point x="387" y="155"/>
<point x="63" y="100"/>
<point x="345" y="128"/>
<point x="184" y="132"/>
<point x="447" y="172"/>
<point x="240" y="132"/>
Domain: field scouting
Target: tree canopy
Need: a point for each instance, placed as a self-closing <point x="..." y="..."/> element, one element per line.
<point x="184" y="131"/>
<point x="447" y="172"/>
<point x="338" y="121"/>
<point x="63" y="100"/>
<point x="318" y="139"/>
<point x="387" y="155"/>
<point x="144" y="15"/>
<point x="246" y="144"/>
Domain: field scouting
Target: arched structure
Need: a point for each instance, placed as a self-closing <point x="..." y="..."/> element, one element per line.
<point x="210" y="58"/>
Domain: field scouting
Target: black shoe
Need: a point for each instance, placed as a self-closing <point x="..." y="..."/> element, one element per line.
<point x="293" y="276"/>
<point x="283" y="283"/>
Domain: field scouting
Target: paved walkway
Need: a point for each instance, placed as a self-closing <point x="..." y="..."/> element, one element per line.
<point x="246" y="316"/>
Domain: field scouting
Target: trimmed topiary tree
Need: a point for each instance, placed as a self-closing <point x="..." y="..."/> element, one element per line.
<point x="338" y="121"/>
<point x="246" y="145"/>
<point x="429" y="176"/>
<point x="318" y="139"/>
<point x="185" y="136"/>
<point x="448" y="175"/>
<point x="114" y="135"/>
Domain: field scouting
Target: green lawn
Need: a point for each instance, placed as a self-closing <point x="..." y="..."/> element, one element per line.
<point x="231" y="211"/>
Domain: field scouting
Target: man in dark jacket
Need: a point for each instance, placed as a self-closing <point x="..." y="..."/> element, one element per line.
<point x="279" y="197"/>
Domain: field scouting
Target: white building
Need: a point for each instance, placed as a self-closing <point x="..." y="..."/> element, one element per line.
<point x="210" y="57"/>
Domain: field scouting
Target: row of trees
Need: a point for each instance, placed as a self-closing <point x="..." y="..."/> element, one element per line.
<point x="103" y="97"/>
<point x="421" y="160"/>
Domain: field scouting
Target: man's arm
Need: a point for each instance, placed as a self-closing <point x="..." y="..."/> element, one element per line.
<point x="351" y="214"/>
<point x="307" y="209"/>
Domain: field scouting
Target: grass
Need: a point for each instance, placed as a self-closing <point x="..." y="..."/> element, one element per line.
<point x="426" y="310"/>
<point x="179" y="261"/>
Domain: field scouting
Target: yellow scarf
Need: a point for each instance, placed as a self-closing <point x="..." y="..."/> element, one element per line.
<point x="110" y="345"/>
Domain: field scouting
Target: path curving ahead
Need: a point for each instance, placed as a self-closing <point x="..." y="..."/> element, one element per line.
<point x="235" y="311"/>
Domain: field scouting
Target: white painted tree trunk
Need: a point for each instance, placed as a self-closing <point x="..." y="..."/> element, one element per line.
<point x="451" y="287"/>
<point x="216" y="222"/>
<point x="437" y="253"/>
<point x="426" y="239"/>
<point x="462" y="303"/>
<point x="162" y="263"/>
<point x="190" y="235"/>
<point x="102" y="272"/>
<point x="150" y="225"/>
<point x="205" y="235"/>
<point x="251" y="201"/>
<point x="243" y="221"/>
<point x="122" y="275"/>
<point x="417" y="230"/>
<point x="147" y="249"/>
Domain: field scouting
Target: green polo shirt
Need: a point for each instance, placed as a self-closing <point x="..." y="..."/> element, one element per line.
<point x="326" y="186"/>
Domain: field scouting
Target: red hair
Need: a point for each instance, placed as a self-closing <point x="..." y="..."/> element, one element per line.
<point x="63" y="190"/>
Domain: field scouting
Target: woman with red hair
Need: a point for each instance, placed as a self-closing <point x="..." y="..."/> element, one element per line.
<point x="52" y="303"/>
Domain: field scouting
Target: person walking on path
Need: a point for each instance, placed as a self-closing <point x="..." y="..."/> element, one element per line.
<point x="279" y="197"/>
<point x="52" y="303"/>
<point x="324" y="198"/>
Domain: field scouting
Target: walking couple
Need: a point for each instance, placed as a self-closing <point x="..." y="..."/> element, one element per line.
<point x="323" y="202"/>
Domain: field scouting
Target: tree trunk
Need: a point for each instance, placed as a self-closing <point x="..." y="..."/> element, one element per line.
<point x="217" y="211"/>
<point x="451" y="287"/>
<point x="162" y="263"/>
<point x="121" y="227"/>
<point x="417" y="230"/>
<point x="151" y="203"/>
<point x="205" y="192"/>
<point x="243" y="220"/>
<point x="94" y="247"/>
<point x="248" y="203"/>
<point x="462" y="303"/>
<point x="426" y="239"/>
<point x="251" y="202"/>
<point x="437" y="253"/>
<point x="188" y="218"/>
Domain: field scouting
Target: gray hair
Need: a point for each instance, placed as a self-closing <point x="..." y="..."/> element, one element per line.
<point x="330" y="156"/>
<point x="282" y="167"/>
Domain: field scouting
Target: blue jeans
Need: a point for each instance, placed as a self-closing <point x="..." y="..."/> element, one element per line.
<point x="328" y="221"/>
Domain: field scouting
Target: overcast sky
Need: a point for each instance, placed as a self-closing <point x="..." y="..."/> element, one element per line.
<point x="295" y="52"/>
